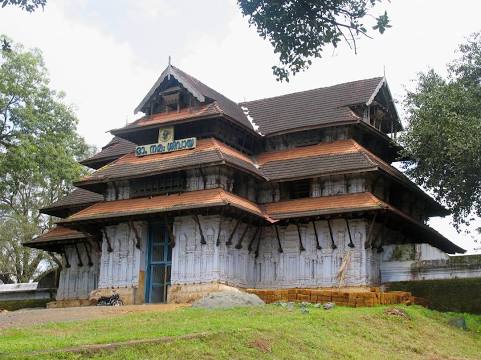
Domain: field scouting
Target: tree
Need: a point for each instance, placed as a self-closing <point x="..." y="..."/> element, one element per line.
<point x="443" y="136"/>
<point x="27" y="5"/>
<point x="39" y="150"/>
<point x="299" y="30"/>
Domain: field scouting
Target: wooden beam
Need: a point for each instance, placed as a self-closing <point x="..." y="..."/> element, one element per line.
<point x="109" y="246"/>
<point x="116" y="190"/>
<point x="239" y="243"/>
<point x="79" y="258"/>
<point x="301" y="247"/>
<point x="351" y="244"/>
<point x="229" y="241"/>
<point x="202" y="237"/>
<point x="318" y="246"/>
<point x="278" y="239"/>
<point x="256" y="233"/>
<point x="333" y="244"/>
<point x="87" y="251"/>
<point x="204" y="179"/>
<point x="370" y="232"/>
<point x="136" y="234"/>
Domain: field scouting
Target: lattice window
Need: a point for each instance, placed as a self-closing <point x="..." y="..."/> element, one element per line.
<point x="159" y="185"/>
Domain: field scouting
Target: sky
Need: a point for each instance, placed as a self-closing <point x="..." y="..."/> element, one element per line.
<point x="107" y="54"/>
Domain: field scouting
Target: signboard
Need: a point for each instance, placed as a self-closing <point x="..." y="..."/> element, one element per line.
<point x="166" y="144"/>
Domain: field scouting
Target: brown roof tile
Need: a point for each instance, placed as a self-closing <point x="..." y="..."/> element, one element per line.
<point x="323" y="205"/>
<point x="207" y="151"/>
<point x="327" y="105"/>
<point x="57" y="234"/>
<point x="77" y="198"/>
<point x="113" y="150"/>
<point x="164" y="203"/>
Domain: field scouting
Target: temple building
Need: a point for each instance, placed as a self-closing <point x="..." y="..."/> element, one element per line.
<point x="202" y="193"/>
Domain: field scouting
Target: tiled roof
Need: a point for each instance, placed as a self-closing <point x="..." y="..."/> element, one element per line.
<point x="327" y="105"/>
<point x="339" y="204"/>
<point x="324" y="205"/>
<point x="164" y="203"/>
<point x="343" y="156"/>
<point x="56" y="234"/>
<point x="174" y="116"/>
<point x="207" y="151"/>
<point x="77" y="198"/>
<point x="113" y="150"/>
<point x="221" y="105"/>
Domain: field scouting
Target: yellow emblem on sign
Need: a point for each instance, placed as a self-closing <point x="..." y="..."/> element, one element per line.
<point x="166" y="135"/>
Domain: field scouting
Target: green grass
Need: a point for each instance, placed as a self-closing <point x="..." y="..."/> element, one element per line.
<point x="270" y="332"/>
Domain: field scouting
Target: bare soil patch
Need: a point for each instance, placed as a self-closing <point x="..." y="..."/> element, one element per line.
<point x="29" y="317"/>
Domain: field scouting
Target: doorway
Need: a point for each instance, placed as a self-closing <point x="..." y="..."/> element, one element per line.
<point x="159" y="263"/>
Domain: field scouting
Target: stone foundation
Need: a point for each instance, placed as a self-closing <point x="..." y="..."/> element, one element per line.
<point x="186" y="294"/>
<point x="68" y="303"/>
<point x="127" y="295"/>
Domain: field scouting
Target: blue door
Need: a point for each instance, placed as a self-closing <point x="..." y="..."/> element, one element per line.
<point x="158" y="265"/>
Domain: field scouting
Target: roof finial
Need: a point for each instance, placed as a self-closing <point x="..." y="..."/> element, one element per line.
<point x="169" y="60"/>
<point x="384" y="70"/>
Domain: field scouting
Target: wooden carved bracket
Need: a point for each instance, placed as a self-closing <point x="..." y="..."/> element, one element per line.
<point x="279" y="245"/>
<point x="202" y="237"/>
<point x="239" y="243"/>
<point x="136" y="234"/>
<point x="370" y="232"/>
<point x="333" y="244"/>
<point x="301" y="247"/>
<point x="88" y="249"/>
<point x="351" y="244"/>
<point x="229" y="241"/>
<point x="79" y="258"/>
<point x="254" y="236"/>
<point x="67" y="263"/>
<point x="170" y="232"/>
<point x="318" y="246"/>
<point x="109" y="246"/>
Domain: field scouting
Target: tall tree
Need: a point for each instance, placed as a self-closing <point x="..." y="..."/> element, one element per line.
<point x="39" y="149"/>
<point x="443" y="136"/>
<point x="27" y="5"/>
<point x="299" y="30"/>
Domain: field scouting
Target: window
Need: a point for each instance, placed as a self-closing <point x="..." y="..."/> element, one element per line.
<point x="297" y="189"/>
<point x="159" y="185"/>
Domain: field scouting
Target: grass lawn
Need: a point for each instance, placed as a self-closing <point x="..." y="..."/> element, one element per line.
<point x="270" y="332"/>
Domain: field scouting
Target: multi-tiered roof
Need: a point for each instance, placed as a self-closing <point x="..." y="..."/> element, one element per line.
<point x="252" y="143"/>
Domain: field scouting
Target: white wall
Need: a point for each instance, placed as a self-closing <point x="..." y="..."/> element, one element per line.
<point x="76" y="282"/>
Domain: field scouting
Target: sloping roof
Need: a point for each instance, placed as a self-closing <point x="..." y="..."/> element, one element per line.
<point x="327" y="105"/>
<point x="77" y="198"/>
<point x="324" y="205"/>
<point x="164" y="203"/>
<point x="207" y="151"/>
<point x="113" y="150"/>
<point x="56" y="234"/>
<point x="340" y="204"/>
<point x="342" y="156"/>
<point x="202" y="92"/>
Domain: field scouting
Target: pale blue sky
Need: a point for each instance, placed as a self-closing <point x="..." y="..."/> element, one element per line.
<point x="107" y="54"/>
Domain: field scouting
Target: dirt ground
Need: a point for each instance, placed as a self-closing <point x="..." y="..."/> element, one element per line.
<point x="28" y="317"/>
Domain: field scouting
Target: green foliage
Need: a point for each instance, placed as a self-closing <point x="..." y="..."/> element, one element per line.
<point x="299" y="30"/>
<point x="39" y="147"/>
<point x="27" y="5"/>
<point x="443" y="136"/>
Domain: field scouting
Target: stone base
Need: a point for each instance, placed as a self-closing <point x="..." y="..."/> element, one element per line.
<point x="127" y="295"/>
<point x="69" y="303"/>
<point x="186" y="294"/>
